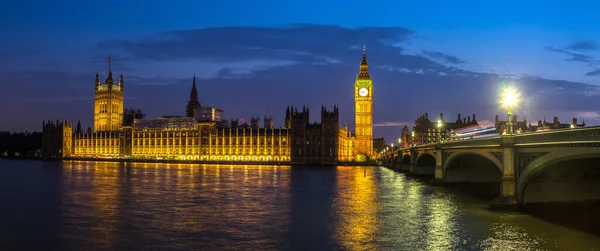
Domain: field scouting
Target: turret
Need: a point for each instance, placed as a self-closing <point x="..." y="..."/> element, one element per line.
<point x="121" y="82"/>
<point x="97" y="82"/>
<point x="78" y="127"/>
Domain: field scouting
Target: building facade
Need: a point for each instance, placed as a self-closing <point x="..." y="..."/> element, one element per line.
<point x="203" y="135"/>
<point x="426" y="131"/>
<point x="322" y="143"/>
<point x="542" y="125"/>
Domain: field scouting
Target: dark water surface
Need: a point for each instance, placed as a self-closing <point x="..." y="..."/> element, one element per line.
<point x="119" y="206"/>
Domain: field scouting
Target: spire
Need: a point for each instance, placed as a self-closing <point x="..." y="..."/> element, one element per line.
<point x="109" y="78"/>
<point x="364" y="57"/>
<point x="194" y="84"/>
<point x="364" y="66"/>
<point x="193" y="103"/>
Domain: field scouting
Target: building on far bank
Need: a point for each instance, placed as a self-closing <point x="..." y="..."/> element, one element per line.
<point x="426" y="131"/>
<point x="378" y="144"/>
<point x="542" y="125"/>
<point x="203" y="135"/>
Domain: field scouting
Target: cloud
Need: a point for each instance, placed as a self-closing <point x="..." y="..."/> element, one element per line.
<point x="137" y="80"/>
<point x="391" y="123"/>
<point x="87" y="99"/>
<point x="446" y="58"/>
<point x="589" y="115"/>
<point x="584" y="45"/>
<point x="294" y="43"/>
<point x="593" y="73"/>
<point x="576" y="57"/>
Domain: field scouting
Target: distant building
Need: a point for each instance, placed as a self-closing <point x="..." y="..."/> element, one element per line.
<point x="378" y="144"/>
<point x="542" y="125"/>
<point x="322" y="143"/>
<point x="426" y="131"/>
<point x="57" y="139"/>
<point x="204" y="113"/>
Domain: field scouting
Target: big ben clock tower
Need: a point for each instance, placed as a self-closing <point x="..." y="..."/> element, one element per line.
<point x="363" y="98"/>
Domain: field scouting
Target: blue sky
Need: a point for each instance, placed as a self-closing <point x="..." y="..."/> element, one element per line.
<point x="255" y="57"/>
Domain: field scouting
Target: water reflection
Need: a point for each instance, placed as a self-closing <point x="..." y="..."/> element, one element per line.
<point x="125" y="206"/>
<point x="440" y="224"/>
<point x="148" y="206"/>
<point x="356" y="208"/>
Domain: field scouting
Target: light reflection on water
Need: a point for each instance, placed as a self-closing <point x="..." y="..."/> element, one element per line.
<point x="149" y="206"/>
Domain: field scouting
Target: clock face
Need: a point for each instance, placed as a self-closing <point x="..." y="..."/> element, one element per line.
<point x="363" y="92"/>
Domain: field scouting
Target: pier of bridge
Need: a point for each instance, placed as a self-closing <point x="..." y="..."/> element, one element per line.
<point x="552" y="166"/>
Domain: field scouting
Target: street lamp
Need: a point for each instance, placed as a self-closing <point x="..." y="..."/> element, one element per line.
<point x="412" y="133"/>
<point x="439" y="128"/>
<point x="510" y="98"/>
<point x="399" y="142"/>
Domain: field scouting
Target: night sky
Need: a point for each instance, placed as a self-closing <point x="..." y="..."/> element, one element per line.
<point x="252" y="58"/>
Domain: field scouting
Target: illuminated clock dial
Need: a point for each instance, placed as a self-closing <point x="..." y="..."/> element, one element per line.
<point x="363" y="92"/>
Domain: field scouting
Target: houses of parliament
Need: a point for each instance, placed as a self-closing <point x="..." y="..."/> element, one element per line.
<point x="202" y="135"/>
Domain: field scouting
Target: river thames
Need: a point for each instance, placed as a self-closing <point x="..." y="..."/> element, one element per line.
<point x="137" y="206"/>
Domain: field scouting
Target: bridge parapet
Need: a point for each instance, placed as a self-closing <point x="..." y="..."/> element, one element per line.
<point x="573" y="136"/>
<point x="483" y="142"/>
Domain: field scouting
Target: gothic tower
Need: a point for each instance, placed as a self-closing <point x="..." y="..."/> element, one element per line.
<point x="108" y="103"/>
<point x="363" y="98"/>
<point x="193" y="104"/>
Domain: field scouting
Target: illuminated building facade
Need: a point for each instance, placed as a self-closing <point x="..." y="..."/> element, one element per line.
<point x="184" y="138"/>
<point x="363" y="99"/>
<point x="203" y="135"/>
<point x="108" y="103"/>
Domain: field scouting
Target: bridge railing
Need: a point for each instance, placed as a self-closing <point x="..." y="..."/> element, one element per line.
<point x="481" y="142"/>
<point x="566" y="135"/>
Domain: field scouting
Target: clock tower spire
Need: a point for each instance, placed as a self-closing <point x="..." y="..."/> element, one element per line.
<point x="363" y="99"/>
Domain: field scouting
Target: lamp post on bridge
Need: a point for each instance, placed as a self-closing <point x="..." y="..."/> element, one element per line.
<point x="510" y="99"/>
<point x="439" y="133"/>
<point x="507" y="198"/>
<point x="412" y="133"/>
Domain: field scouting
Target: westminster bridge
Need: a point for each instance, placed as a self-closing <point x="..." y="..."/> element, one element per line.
<point x="560" y="165"/>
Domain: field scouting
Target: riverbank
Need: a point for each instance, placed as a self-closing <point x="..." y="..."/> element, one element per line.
<point x="221" y="162"/>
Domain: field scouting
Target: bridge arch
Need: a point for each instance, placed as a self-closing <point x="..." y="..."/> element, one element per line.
<point x="486" y="155"/>
<point x="424" y="154"/>
<point x="425" y="163"/>
<point x="478" y="173"/>
<point x="542" y="176"/>
<point x="406" y="159"/>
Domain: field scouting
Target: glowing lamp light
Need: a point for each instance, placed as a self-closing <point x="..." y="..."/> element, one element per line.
<point x="510" y="98"/>
<point x="439" y="123"/>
